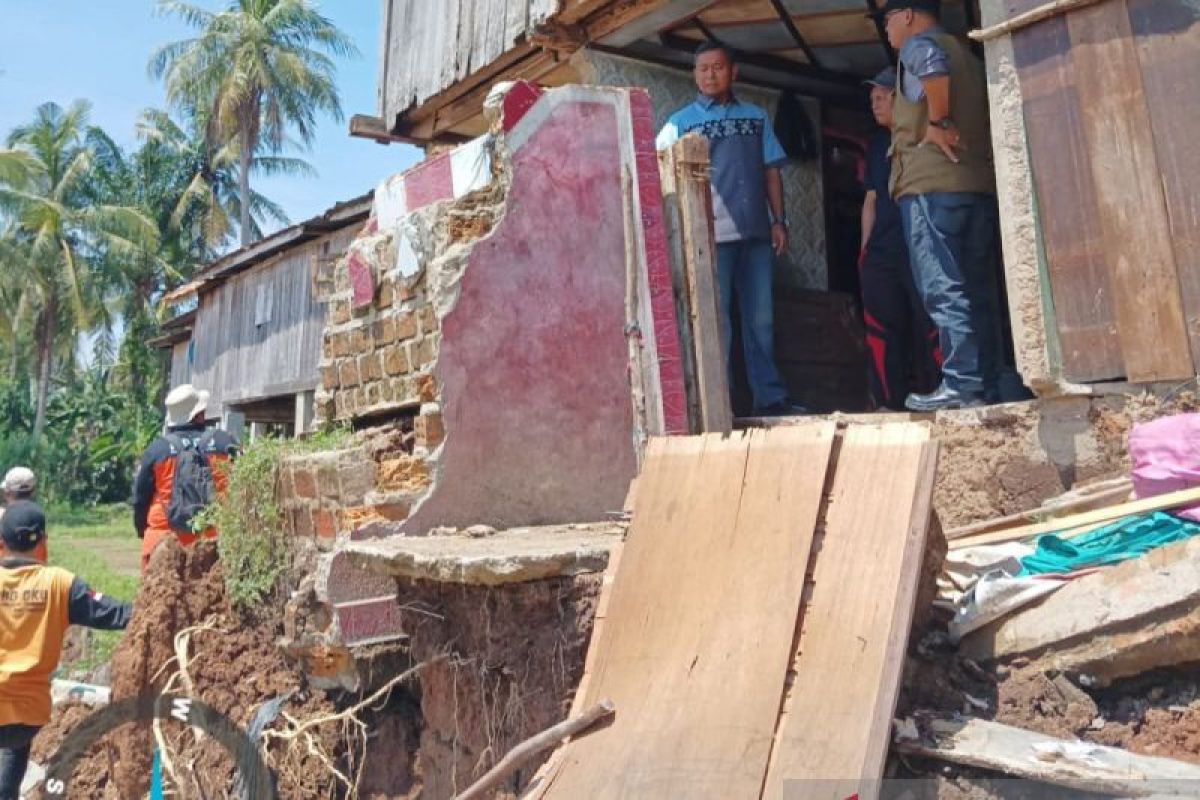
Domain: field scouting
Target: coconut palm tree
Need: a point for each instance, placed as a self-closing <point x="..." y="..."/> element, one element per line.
<point x="258" y="72"/>
<point x="43" y="176"/>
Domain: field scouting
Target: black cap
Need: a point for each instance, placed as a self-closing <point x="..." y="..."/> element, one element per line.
<point x="933" y="7"/>
<point x="885" y="79"/>
<point x="23" y="526"/>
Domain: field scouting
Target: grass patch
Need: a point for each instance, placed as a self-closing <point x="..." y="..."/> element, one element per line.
<point x="98" y="545"/>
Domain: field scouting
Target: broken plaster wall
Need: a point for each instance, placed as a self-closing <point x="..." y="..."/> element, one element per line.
<point x="804" y="264"/>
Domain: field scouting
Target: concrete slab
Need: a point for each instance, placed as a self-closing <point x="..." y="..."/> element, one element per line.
<point x="1116" y="623"/>
<point x="511" y="556"/>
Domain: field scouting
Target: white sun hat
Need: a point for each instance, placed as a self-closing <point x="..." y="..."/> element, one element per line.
<point x="183" y="403"/>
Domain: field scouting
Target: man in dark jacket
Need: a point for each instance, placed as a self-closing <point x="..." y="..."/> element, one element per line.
<point x="37" y="604"/>
<point x="152" y="489"/>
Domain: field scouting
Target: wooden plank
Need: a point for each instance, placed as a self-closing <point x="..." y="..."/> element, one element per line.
<point x="516" y="23"/>
<point x="696" y="644"/>
<point x="1079" y="281"/>
<point x="1118" y="491"/>
<point x="673" y="226"/>
<point x="1167" y="37"/>
<point x="1148" y="505"/>
<point x="1059" y="762"/>
<point x="704" y="305"/>
<point x="629" y="22"/>
<point x="835" y="727"/>
<point x="1130" y="201"/>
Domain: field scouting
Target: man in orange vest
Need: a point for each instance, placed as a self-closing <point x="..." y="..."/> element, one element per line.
<point x="37" y="603"/>
<point x="180" y="473"/>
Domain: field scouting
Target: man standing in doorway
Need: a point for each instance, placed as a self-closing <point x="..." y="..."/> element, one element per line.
<point x="749" y="220"/>
<point x="901" y="341"/>
<point x="180" y="472"/>
<point x="943" y="180"/>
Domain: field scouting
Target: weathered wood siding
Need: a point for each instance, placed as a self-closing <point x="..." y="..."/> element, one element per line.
<point x="258" y="334"/>
<point x="429" y="45"/>
<point x="1108" y="92"/>
<point x="181" y="366"/>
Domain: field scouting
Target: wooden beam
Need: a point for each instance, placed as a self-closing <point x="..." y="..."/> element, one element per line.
<point x="639" y="20"/>
<point x="366" y="126"/>
<point x="1148" y="505"/>
<point x="788" y="23"/>
<point x="1038" y="14"/>
<point x="1059" y="762"/>
<point x="675" y="42"/>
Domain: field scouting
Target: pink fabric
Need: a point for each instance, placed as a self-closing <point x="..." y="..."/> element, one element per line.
<point x="1166" y="457"/>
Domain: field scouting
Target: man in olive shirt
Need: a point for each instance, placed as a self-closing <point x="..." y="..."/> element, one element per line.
<point x="944" y="182"/>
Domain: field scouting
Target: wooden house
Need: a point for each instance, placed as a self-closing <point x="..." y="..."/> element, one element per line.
<point x="1092" y="106"/>
<point x="253" y="335"/>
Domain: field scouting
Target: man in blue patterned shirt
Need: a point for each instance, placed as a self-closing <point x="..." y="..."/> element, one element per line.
<point x="748" y="214"/>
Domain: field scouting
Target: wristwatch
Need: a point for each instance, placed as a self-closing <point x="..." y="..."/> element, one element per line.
<point x="781" y="221"/>
<point x="945" y="123"/>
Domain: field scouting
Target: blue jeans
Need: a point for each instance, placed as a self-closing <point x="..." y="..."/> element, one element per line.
<point x="952" y="241"/>
<point x="15" y="743"/>
<point x="744" y="270"/>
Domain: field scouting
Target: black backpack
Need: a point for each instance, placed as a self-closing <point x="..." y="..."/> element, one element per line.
<point x="192" y="489"/>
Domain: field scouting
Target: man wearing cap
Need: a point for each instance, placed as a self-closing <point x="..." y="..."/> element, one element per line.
<point x="901" y="341"/>
<point x="748" y="216"/>
<point x="20" y="484"/>
<point x="943" y="179"/>
<point x="37" y="603"/>
<point x="186" y="409"/>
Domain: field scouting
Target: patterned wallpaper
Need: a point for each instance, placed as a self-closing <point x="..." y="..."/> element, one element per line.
<point x="804" y="265"/>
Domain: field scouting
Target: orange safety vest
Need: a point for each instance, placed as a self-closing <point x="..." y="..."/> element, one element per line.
<point x="34" y="616"/>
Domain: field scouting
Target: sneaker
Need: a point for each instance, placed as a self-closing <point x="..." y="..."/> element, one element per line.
<point x="784" y="408"/>
<point x="941" y="399"/>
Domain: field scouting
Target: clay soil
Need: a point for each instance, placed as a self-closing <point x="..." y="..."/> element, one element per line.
<point x="235" y="668"/>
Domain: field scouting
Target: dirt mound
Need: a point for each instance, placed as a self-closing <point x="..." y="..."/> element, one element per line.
<point x="234" y="666"/>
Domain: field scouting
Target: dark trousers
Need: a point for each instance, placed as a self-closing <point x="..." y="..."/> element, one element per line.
<point x="15" y="744"/>
<point x="744" y="271"/>
<point x="952" y="242"/>
<point x="902" y="343"/>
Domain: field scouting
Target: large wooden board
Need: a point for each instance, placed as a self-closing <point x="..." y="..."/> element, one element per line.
<point x="1075" y="259"/>
<point x="699" y="629"/>
<point x="1167" y="37"/>
<point x="1129" y="195"/>
<point x="835" y="727"/>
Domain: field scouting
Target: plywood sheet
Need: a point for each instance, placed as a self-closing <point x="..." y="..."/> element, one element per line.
<point x="835" y="726"/>
<point x="700" y="625"/>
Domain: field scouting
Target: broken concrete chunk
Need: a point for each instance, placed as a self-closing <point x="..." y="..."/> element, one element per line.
<point x="480" y="531"/>
<point x="1119" y="622"/>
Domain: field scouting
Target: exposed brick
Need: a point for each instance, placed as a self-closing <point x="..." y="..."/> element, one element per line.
<point x="329" y="378"/>
<point x="393" y="512"/>
<point x="369" y="622"/>
<point x="339" y="405"/>
<point x="373" y="395"/>
<point x="406" y="326"/>
<point x="357" y="479"/>
<point x="427" y="388"/>
<point x="348" y="373"/>
<point x="339" y="312"/>
<point x="360" y="342"/>
<point x="387" y="391"/>
<point x="430" y="430"/>
<point x="327" y="480"/>
<point x="404" y="473"/>
<point x="429" y="320"/>
<point x="341" y="344"/>
<point x="305" y="481"/>
<point x="395" y="360"/>
<point x="386" y="294"/>
<point x="385" y="331"/>
<point x="302" y="523"/>
<point x="324" y="524"/>
<point x="369" y="367"/>
<point x="407" y="289"/>
<point x="423" y="351"/>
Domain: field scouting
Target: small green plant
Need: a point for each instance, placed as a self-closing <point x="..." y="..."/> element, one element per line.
<point x="253" y="545"/>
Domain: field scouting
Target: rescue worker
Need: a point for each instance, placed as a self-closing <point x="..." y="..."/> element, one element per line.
<point x="943" y="180"/>
<point x="749" y="222"/>
<point x="901" y="341"/>
<point x="162" y="503"/>
<point x="37" y="603"/>
<point x="21" y="484"/>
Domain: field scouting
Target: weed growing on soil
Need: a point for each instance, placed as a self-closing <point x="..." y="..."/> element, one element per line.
<point x="255" y="551"/>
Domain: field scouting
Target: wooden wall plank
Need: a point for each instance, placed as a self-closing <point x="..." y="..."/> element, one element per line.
<point x="700" y="622"/>
<point x="672" y="224"/>
<point x="1074" y="242"/>
<point x="704" y="302"/>
<point x="1167" y="37"/>
<point x="853" y="632"/>
<point x="1132" y="208"/>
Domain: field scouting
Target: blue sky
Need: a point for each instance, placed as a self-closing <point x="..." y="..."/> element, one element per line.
<point x="61" y="50"/>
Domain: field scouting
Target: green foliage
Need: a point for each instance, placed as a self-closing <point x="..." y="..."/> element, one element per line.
<point x="254" y="547"/>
